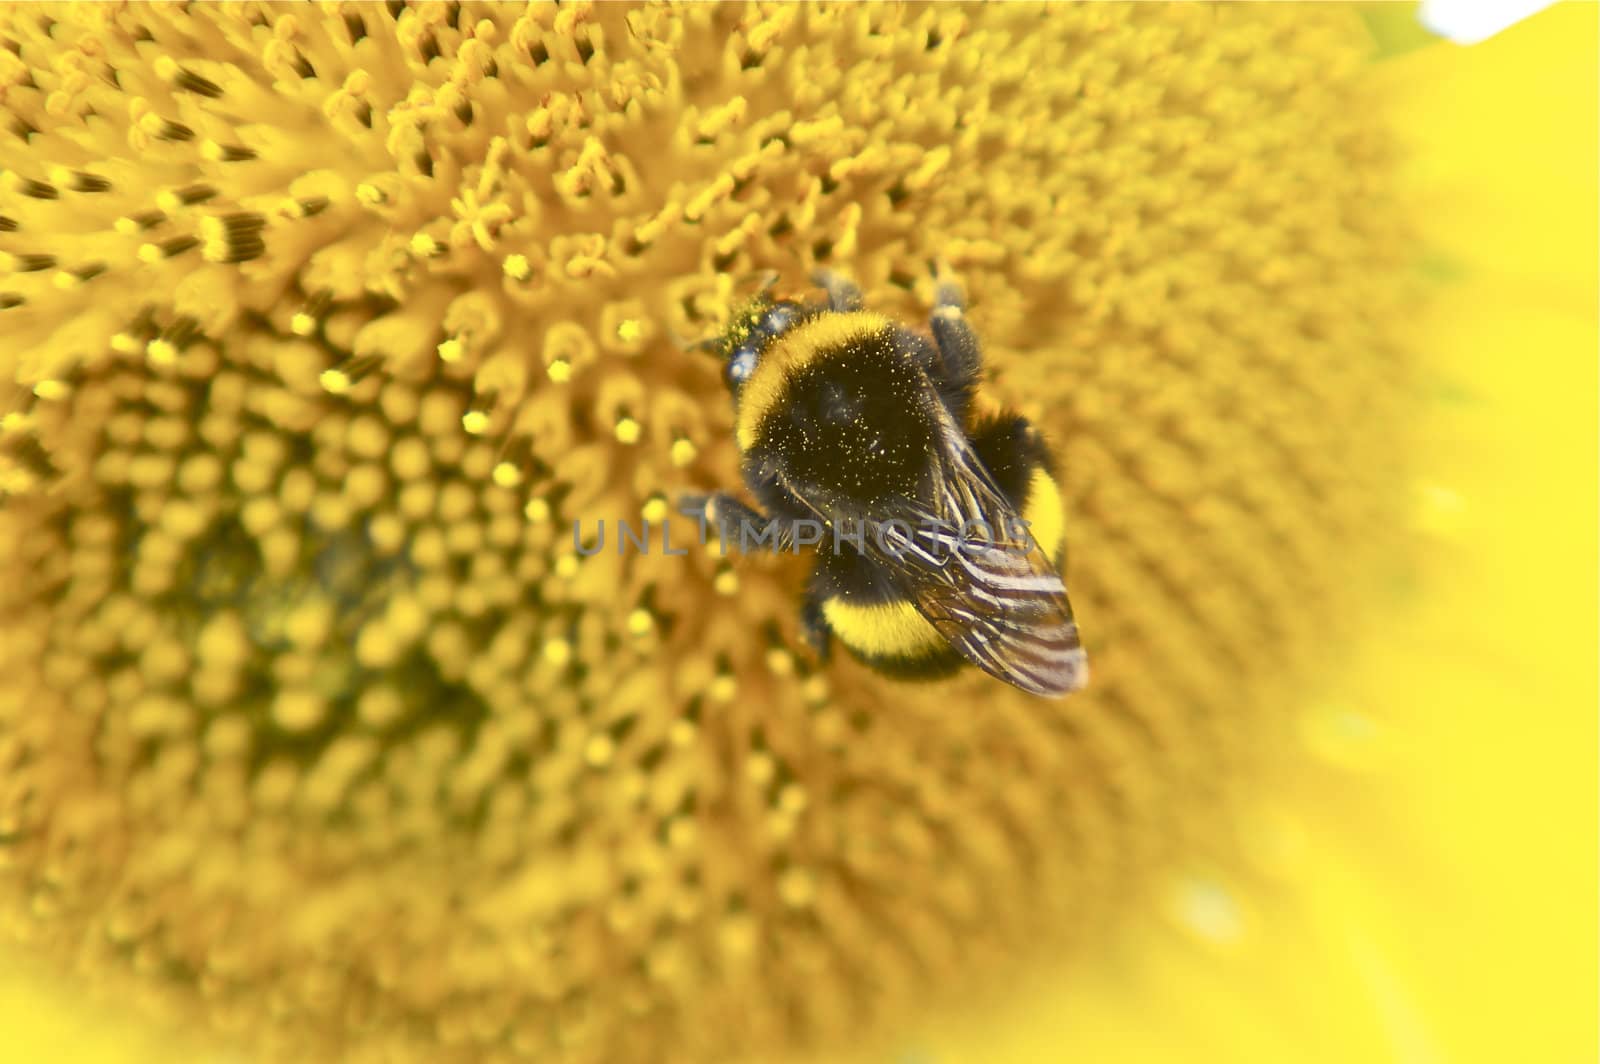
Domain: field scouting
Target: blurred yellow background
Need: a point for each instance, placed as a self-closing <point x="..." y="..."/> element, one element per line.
<point x="1435" y="888"/>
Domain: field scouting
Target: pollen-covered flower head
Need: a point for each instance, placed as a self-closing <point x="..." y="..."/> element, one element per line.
<point x="323" y="325"/>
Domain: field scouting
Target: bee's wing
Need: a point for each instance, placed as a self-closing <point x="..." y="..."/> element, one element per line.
<point x="973" y="571"/>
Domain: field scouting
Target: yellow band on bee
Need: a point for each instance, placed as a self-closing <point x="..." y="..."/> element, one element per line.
<point x="887" y="629"/>
<point x="1046" y="524"/>
<point x="764" y="391"/>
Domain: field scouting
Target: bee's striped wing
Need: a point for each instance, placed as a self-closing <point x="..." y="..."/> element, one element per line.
<point x="1011" y="620"/>
<point x="973" y="571"/>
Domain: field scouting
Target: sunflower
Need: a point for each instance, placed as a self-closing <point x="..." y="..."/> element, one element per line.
<point x="321" y="735"/>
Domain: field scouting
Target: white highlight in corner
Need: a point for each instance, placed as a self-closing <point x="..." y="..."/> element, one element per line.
<point x="1471" y="21"/>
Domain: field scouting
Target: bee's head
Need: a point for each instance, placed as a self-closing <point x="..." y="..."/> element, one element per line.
<point x="754" y="328"/>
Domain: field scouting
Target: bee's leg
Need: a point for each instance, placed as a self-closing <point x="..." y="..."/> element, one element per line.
<point x="843" y="295"/>
<point x="736" y="523"/>
<point x="957" y="340"/>
<point x="814" y="627"/>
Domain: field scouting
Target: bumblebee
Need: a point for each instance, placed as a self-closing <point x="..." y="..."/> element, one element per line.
<point x="939" y="533"/>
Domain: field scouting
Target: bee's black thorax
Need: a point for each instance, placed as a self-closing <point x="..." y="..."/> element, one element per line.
<point x="855" y="427"/>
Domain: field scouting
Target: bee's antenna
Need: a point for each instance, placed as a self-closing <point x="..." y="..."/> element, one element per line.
<point x="766" y="279"/>
<point x="693" y="347"/>
<point x="843" y="294"/>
